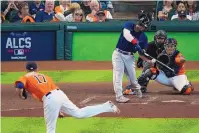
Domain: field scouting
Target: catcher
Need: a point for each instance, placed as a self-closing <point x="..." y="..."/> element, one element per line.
<point x="175" y="60"/>
<point x="154" y="49"/>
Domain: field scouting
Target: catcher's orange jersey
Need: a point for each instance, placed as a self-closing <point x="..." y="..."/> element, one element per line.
<point x="177" y="60"/>
<point x="37" y="84"/>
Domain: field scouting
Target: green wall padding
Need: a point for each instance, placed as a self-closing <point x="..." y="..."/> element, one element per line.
<point x="98" y="46"/>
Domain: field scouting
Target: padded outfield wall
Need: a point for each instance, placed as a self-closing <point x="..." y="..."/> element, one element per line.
<point x="85" y="41"/>
<point x="100" y="45"/>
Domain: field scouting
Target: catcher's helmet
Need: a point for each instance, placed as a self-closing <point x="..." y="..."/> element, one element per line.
<point x="31" y="66"/>
<point x="170" y="46"/>
<point x="144" y="19"/>
<point x="172" y="41"/>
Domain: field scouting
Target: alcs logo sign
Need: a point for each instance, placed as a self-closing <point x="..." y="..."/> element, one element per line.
<point x="18" y="44"/>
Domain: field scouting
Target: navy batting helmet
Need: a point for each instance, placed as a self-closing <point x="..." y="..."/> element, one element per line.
<point x="31" y="66"/>
<point x="144" y="19"/>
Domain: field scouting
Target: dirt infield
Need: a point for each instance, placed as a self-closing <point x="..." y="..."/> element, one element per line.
<point x="72" y="65"/>
<point x="160" y="101"/>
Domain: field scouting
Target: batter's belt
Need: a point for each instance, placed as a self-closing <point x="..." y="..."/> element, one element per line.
<point x="123" y="52"/>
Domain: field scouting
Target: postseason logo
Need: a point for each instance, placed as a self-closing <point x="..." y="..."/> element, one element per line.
<point x="18" y="45"/>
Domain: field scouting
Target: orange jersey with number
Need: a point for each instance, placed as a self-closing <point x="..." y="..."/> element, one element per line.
<point x="37" y="84"/>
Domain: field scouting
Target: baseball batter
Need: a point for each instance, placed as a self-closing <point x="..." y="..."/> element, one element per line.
<point x="132" y="39"/>
<point x="54" y="100"/>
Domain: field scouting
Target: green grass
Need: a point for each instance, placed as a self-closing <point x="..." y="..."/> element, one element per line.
<point x="81" y="76"/>
<point x="102" y="125"/>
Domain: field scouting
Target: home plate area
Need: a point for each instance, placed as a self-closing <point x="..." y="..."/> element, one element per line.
<point x="146" y="100"/>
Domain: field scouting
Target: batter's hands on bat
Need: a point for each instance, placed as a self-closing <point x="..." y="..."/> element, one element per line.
<point x="139" y="49"/>
<point x="152" y="62"/>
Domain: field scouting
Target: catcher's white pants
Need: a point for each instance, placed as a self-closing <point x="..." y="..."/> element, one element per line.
<point x="123" y="64"/>
<point x="177" y="81"/>
<point x="58" y="101"/>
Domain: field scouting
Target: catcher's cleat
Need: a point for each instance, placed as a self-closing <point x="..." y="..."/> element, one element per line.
<point x="128" y="92"/>
<point x="188" y="91"/>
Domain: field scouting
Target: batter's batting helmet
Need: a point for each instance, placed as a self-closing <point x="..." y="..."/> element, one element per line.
<point x="144" y="19"/>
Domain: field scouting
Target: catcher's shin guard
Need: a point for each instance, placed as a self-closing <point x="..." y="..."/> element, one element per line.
<point x="187" y="89"/>
<point x="147" y="75"/>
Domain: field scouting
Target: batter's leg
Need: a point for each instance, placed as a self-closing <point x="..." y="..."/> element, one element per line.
<point x="118" y="72"/>
<point x="51" y="112"/>
<point x="129" y="62"/>
<point x="69" y="108"/>
<point x="129" y="86"/>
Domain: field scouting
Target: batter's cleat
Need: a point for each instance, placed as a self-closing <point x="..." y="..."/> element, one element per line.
<point x="122" y="99"/>
<point x="114" y="107"/>
<point x="128" y="92"/>
<point x="138" y="93"/>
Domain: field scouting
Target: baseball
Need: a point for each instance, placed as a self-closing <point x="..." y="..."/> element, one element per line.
<point x="153" y="60"/>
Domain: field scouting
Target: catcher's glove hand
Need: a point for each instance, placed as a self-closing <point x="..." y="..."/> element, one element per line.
<point x="164" y="58"/>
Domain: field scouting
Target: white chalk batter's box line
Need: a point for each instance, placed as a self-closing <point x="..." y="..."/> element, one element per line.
<point x="87" y="100"/>
<point x="150" y="99"/>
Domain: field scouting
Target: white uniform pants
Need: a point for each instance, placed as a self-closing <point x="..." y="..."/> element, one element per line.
<point x="58" y="101"/>
<point x="123" y="64"/>
<point x="177" y="82"/>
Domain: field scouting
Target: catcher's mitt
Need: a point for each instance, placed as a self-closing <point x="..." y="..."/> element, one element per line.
<point x="164" y="58"/>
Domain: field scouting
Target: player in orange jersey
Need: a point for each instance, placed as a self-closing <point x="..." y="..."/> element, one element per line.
<point x="178" y="79"/>
<point x="55" y="100"/>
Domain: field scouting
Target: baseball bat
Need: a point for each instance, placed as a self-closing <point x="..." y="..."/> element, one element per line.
<point x="160" y="62"/>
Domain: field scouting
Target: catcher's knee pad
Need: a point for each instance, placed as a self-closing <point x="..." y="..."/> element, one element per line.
<point x="187" y="89"/>
<point x="154" y="72"/>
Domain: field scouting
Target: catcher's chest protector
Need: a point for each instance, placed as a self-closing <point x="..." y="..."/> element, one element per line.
<point x="172" y="63"/>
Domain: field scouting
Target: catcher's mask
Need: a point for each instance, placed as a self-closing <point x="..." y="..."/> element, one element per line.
<point x="159" y="38"/>
<point x="170" y="46"/>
